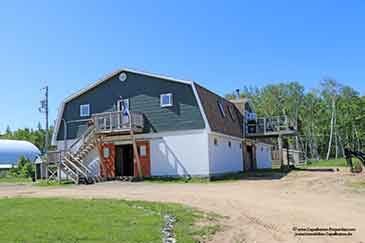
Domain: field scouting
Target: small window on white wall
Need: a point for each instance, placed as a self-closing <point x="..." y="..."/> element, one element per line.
<point x="143" y="151"/>
<point x="85" y="110"/>
<point x="229" y="144"/>
<point x="166" y="100"/>
<point x="215" y="141"/>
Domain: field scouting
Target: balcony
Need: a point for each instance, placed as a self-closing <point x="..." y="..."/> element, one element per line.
<point x="117" y="122"/>
<point x="270" y="126"/>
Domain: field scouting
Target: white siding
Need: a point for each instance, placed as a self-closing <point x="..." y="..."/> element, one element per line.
<point x="263" y="156"/>
<point x="223" y="158"/>
<point x="180" y="155"/>
<point x="92" y="161"/>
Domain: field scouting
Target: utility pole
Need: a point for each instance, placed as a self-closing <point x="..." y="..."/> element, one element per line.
<point x="44" y="109"/>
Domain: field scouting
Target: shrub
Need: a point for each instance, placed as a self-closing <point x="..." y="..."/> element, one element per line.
<point x="357" y="168"/>
<point x="24" y="169"/>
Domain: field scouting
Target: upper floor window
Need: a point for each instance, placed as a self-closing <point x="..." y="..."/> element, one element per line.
<point x="85" y="110"/>
<point x="221" y="109"/>
<point x="166" y="100"/>
<point x="231" y="113"/>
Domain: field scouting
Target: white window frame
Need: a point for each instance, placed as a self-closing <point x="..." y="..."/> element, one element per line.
<point x="82" y="107"/>
<point x="221" y="109"/>
<point x="143" y="150"/>
<point x="170" y="99"/>
<point x="120" y="102"/>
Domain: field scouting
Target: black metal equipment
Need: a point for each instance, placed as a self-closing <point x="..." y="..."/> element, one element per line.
<point x="357" y="154"/>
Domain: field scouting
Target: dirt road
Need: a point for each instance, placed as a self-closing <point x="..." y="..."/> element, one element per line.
<point x="257" y="210"/>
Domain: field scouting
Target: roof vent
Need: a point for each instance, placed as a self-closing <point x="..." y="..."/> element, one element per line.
<point x="123" y="77"/>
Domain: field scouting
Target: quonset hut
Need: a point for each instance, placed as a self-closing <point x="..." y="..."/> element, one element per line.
<point x="12" y="150"/>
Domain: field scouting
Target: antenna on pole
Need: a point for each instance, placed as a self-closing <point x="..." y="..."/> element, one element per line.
<point x="44" y="109"/>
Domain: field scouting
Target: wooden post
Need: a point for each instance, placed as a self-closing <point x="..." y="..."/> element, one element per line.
<point x="110" y="122"/>
<point x="280" y="145"/>
<point x="135" y="149"/>
<point x="59" y="172"/>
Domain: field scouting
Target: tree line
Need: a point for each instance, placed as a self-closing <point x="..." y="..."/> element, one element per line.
<point x="329" y="118"/>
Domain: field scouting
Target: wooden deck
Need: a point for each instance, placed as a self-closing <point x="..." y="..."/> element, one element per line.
<point x="118" y="122"/>
<point x="270" y="127"/>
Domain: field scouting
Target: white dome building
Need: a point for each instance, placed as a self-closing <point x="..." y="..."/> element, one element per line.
<point x="12" y="150"/>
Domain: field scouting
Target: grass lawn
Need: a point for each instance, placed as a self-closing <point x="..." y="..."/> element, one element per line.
<point x="81" y="220"/>
<point x="328" y="163"/>
<point x="15" y="180"/>
<point x="45" y="183"/>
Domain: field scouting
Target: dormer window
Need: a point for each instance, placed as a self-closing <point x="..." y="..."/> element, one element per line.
<point x="221" y="109"/>
<point x="231" y="113"/>
<point x="84" y="110"/>
<point x="166" y="100"/>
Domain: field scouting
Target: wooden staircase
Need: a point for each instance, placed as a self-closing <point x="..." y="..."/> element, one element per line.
<point x="72" y="161"/>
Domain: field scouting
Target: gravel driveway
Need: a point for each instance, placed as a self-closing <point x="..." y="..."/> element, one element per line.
<point x="257" y="210"/>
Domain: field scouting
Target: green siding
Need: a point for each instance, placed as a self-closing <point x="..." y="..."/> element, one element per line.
<point x="143" y="93"/>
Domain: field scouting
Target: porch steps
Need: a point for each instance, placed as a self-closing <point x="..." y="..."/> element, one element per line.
<point x="72" y="162"/>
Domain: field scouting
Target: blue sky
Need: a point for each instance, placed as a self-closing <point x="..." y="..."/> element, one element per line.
<point x="222" y="45"/>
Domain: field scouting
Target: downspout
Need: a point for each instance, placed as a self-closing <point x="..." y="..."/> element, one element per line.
<point x="64" y="134"/>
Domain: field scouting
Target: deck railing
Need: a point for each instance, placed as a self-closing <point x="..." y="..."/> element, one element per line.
<point x="269" y="125"/>
<point x="54" y="156"/>
<point x="118" y="121"/>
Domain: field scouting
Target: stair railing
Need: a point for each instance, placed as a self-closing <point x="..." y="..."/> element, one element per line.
<point x="74" y="176"/>
<point x="82" y="139"/>
<point x="79" y="162"/>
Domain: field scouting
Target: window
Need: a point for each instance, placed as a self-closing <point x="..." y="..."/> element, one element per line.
<point x="229" y="144"/>
<point x="123" y="77"/>
<point x="221" y="109"/>
<point x="106" y="152"/>
<point x="166" y="100"/>
<point x="142" y="151"/>
<point x="85" y="110"/>
<point x="215" y="141"/>
<point x="231" y="113"/>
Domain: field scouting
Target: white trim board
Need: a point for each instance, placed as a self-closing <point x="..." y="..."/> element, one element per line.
<point x="149" y="136"/>
<point x="207" y="126"/>
<point x="226" y="136"/>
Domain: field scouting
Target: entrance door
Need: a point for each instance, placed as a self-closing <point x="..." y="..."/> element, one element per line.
<point x="124" y="165"/>
<point x="249" y="157"/>
<point x="123" y="107"/>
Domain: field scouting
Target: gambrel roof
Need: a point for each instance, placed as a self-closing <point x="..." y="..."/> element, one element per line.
<point x="203" y="97"/>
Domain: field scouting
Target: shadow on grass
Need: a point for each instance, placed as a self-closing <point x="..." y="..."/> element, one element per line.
<point x="316" y="169"/>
